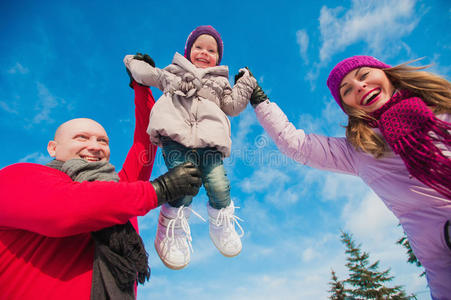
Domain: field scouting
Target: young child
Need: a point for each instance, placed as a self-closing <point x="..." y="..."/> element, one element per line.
<point x="189" y="122"/>
<point x="397" y="140"/>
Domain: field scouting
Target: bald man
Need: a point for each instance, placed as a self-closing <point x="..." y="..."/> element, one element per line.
<point x="80" y="138"/>
<point x="48" y="213"/>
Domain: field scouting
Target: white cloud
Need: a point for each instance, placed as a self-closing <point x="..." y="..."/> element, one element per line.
<point x="366" y="21"/>
<point x="240" y="131"/>
<point x="303" y="272"/>
<point x="254" y="214"/>
<point x="376" y="229"/>
<point x="6" y="107"/>
<point x="46" y="103"/>
<point x="368" y="216"/>
<point x="284" y="196"/>
<point x="311" y="76"/>
<point x="149" y="221"/>
<point x="18" y="69"/>
<point x="339" y="186"/>
<point x="299" y="284"/>
<point x="310" y="124"/>
<point x="303" y="261"/>
<point x="264" y="178"/>
<point x="295" y="278"/>
<point x="333" y="118"/>
<point x="308" y="254"/>
<point x="439" y="69"/>
<point x="302" y="39"/>
<point x="204" y="250"/>
<point x="303" y="275"/>
<point x="36" y="157"/>
<point x="328" y="123"/>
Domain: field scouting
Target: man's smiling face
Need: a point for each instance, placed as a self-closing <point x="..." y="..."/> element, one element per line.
<point x="80" y="138"/>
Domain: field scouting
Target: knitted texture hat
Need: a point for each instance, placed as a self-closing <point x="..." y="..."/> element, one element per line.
<point x="204" y="29"/>
<point x="344" y="67"/>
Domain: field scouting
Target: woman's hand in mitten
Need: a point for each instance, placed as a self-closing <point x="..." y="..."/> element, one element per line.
<point x="258" y="96"/>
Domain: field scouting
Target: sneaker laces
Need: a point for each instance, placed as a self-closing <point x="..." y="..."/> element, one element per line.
<point x="228" y="219"/>
<point x="184" y="225"/>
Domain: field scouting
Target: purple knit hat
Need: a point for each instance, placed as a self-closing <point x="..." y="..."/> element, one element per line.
<point x="344" y="67"/>
<point x="204" y="29"/>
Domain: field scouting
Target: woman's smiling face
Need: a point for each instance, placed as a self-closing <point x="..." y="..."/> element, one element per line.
<point x="366" y="89"/>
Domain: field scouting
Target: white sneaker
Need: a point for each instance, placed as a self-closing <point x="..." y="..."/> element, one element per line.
<point x="173" y="239"/>
<point x="222" y="230"/>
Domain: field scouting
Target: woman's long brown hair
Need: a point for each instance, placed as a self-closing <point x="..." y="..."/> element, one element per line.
<point x="433" y="89"/>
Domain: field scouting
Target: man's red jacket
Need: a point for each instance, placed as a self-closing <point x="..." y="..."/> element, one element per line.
<point x="46" y="250"/>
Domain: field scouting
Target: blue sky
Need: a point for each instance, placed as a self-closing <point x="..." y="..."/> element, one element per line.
<point x="60" y="60"/>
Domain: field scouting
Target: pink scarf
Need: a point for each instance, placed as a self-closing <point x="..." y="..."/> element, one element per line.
<point x="412" y="131"/>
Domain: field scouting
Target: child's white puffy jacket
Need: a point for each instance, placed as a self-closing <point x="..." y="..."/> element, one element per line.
<point x="192" y="110"/>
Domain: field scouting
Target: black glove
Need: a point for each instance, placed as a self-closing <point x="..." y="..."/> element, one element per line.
<point x="183" y="180"/>
<point x="241" y="73"/>
<point x="143" y="57"/>
<point x="130" y="84"/>
<point x="258" y="96"/>
<point x="146" y="58"/>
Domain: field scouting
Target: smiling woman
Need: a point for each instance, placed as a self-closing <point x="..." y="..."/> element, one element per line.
<point x="397" y="108"/>
<point x="366" y="89"/>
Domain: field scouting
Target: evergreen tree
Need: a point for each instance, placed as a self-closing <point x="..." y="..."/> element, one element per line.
<point x="364" y="278"/>
<point x="412" y="258"/>
<point x="337" y="289"/>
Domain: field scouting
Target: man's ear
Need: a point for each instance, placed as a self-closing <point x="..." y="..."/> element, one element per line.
<point x="51" y="148"/>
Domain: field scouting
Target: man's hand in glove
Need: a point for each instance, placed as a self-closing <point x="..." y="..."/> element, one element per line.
<point x="183" y="180"/>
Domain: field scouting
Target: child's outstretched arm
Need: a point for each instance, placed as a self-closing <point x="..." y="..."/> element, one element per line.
<point x="143" y="70"/>
<point x="235" y="99"/>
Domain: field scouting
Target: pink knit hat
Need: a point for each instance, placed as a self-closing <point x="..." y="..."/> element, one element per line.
<point x="347" y="65"/>
<point x="204" y="29"/>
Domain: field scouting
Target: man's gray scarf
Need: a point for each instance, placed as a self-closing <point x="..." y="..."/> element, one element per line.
<point x="120" y="258"/>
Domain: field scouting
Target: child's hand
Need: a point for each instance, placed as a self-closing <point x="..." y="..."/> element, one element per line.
<point x="143" y="57"/>
<point x="146" y="58"/>
<point x="241" y="73"/>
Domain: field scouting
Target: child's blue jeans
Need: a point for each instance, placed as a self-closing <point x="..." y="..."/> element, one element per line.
<point x="209" y="161"/>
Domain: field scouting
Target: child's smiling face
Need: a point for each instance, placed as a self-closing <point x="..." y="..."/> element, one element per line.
<point x="204" y="53"/>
